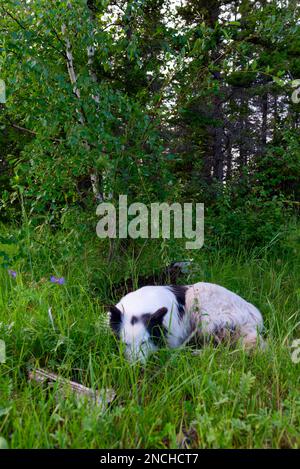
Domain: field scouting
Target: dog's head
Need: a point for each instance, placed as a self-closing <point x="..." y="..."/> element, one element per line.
<point x="140" y="334"/>
<point x="147" y="318"/>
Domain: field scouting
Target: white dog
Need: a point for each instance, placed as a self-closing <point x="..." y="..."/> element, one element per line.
<point x="155" y="315"/>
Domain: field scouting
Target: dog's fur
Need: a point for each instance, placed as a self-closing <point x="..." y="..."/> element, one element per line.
<point x="171" y="315"/>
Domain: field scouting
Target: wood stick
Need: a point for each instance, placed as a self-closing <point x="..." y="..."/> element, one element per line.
<point x="100" y="398"/>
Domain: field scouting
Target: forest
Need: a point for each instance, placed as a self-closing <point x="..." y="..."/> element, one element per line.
<point x="169" y="101"/>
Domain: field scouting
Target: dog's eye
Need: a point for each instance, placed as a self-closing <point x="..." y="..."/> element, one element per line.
<point x="129" y="345"/>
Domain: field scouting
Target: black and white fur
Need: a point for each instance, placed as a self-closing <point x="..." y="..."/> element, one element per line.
<point x="156" y="315"/>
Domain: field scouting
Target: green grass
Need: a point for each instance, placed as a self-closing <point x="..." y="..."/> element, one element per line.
<point x="218" y="397"/>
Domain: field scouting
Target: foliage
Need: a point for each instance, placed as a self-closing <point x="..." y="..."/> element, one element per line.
<point x="162" y="102"/>
<point x="149" y="100"/>
<point x="78" y="128"/>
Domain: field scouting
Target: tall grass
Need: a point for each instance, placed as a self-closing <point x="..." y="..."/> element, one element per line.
<point x="214" y="397"/>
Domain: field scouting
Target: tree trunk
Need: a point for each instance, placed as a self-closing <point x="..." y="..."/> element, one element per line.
<point x="264" y="125"/>
<point x="94" y="177"/>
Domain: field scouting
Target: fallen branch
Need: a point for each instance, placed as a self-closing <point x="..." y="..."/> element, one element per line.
<point x="100" y="398"/>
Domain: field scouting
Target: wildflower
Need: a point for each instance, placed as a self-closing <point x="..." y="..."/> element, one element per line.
<point x="12" y="273"/>
<point x="59" y="281"/>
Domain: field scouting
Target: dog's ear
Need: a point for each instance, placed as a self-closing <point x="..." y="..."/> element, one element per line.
<point x="158" y="316"/>
<point x="115" y="319"/>
<point x="155" y="327"/>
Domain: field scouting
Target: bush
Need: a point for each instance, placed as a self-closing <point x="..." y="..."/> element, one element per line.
<point x="255" y="222"/>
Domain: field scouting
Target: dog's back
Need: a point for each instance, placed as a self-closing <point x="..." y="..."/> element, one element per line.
<point x="213" y="308"/>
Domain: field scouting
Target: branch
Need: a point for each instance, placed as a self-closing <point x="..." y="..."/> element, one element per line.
<point x="63" y="386"/>
<point x="22" y="129"/>
<point x="28" y="131"/>
<point x="70" y="65"/>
